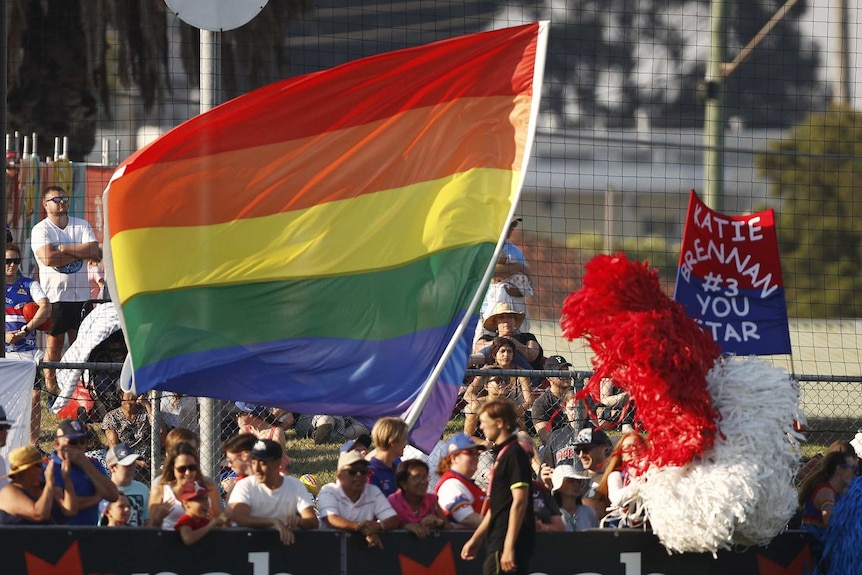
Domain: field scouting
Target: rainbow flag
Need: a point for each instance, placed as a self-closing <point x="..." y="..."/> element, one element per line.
<point x="321" y="244"/>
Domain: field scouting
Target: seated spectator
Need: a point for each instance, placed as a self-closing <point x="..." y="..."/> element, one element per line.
<point x="494" y="386"/>
<point x="821" y="490"/>
<point x="432" y="460"/>
<point x="417" y="509"/>
<point x="505" y="322"/>
<point x="117" y="513"/>
<point x="121" y="463"/>
<point x="92" y="481"/>
<point x="196" y="520"/>
<point x="30" y="499"/>
<point x="181" y="435"/>
<point x="390" y="437"/>
<point x="594" y="447"/>
<point x="570" y="484"/>
<point x="841" y="445"/>
<point x="130" y="424"/>
<point x="510" y="283"/>
<point x="237" y="453"/>
<point x="270" y="499"/>
<point x="256" y="419"/>
<point x="362" y="444"/>
<point x="618" y="469"/>
<point x="328" y="428"/>
<point x="353" y="504"/>
<point x="547" y="411"/>
<point x="545" y="509"/>
<point x="179" y="410"/>
<point x="182" y="467"/>
<point x="615" y="409"/>
<point x="96" y="278"/>
<point x="561" y="443"/>
<point x="458" y="496"/>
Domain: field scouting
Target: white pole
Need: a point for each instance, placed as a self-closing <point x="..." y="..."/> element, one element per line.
<point x="210" y="94"/>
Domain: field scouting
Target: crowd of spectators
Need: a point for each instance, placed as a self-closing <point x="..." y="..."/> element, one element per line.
<point x="577" y="472"/>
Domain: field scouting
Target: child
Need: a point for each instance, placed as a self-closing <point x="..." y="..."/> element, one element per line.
<point x="196" y="521"/>
<point x="117" y="513"/>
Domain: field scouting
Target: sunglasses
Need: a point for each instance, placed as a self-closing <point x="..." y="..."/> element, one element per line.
<point x="14" y="261"/>
<point x="58" y="199"/>
<point x="183" y="468"/>
<point x="850" y="466"/>
<point x="583" y="448"/>
<point x="78" y="441"/>
<point x="357" y="471"/>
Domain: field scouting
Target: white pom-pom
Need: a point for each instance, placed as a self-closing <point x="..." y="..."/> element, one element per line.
<point x="742" y="491"/>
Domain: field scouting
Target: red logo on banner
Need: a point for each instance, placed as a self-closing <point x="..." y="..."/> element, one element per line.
<point x="69" y="563"/>
<point x="802" y="563"/>
<point x="443" y="564"/>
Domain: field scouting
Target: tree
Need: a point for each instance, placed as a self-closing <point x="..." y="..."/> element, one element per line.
<point x="609" y="60"/>
<point x="67" y="56"/>
<point x="816" y="172"/>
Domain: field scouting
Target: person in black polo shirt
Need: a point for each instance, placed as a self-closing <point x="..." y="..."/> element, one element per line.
<point x="509" y="523"/>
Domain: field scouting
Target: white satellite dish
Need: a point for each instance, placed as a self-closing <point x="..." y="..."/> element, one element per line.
<point x="216" y="15"/>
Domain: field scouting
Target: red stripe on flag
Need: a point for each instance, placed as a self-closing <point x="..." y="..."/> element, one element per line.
<point x="496" y="63"/>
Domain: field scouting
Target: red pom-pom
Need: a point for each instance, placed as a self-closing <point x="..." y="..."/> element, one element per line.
<point x="29" y="310"/>
<point x="648" y="346"/>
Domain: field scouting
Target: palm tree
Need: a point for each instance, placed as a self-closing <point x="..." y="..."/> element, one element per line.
<point x="66" y="58"/>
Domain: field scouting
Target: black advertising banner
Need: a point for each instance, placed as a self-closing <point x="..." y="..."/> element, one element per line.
<point x="145" y="551"/>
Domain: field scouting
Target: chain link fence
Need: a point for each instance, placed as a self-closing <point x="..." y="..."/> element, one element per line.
<point x="619" y="144"/>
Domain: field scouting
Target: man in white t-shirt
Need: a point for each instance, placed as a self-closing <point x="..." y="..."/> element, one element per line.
<point x="62" y="245"/>
<point x="270" y="499"/>
<point x="353" y="504"/>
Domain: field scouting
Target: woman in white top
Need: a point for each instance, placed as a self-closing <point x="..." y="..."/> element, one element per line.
<point x="181" y="467"/>
<point x="618" y="468"/>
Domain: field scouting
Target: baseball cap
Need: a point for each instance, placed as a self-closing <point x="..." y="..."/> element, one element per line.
<point x="254" y="409"/>
<point x="592" y="436"/>
<point x="556" y="362"/>
<point x="267" y="450"/>
<point x="461" y="442"/>
<point x="191" y="491"/>
<point x="71" y="429"/>
<point x="120" y="454"/>
<point x="364" y="440"/>
<point x="349" y="458"/>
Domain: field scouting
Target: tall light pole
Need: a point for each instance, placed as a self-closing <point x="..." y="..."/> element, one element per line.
<point x="712" y="91"/>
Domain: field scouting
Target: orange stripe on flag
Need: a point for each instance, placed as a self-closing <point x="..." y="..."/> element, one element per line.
<point x="290" y="176"/>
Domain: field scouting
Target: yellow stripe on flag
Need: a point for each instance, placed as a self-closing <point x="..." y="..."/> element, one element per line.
<point x="371" y="232"/>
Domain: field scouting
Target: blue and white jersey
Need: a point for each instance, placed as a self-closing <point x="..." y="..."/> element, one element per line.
<point x="20" y="292"/>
